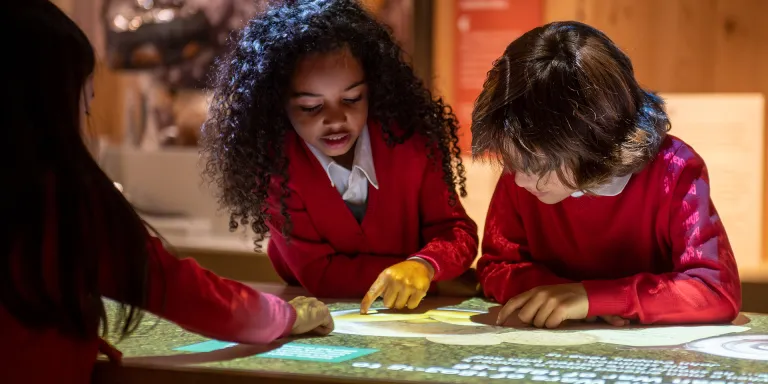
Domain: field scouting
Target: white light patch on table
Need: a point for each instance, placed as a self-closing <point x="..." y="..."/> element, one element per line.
<point x="749" y="347"/>
<point x="662" y="336"/>
<point x="317" y="353"/>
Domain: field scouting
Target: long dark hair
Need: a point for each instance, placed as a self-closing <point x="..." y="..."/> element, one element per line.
<point x="243" y="139"/>
<point x="67" y="231"/>
<point x="564" y="94"/>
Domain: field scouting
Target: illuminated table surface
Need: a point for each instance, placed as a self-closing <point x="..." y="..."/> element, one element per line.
<point x="449" y="340"/>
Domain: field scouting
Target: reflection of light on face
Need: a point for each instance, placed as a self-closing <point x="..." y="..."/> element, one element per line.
<point x="329" y="98"/>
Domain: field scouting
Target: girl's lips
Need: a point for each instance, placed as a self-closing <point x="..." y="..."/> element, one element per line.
<point x="336" y="140"/>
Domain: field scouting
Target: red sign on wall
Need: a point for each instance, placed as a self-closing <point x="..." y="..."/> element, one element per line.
<point x="483" y="29"/>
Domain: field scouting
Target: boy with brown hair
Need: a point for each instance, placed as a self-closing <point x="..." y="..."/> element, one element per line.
<point x="600" y="213"/>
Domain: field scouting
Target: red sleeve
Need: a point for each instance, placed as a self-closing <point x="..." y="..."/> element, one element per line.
<point x="704" y="284"/>
<point x="316" y="265"/>
<point x="506" y="268"/>
<point x="200" y="301"/>
<point x="450" y="235"/>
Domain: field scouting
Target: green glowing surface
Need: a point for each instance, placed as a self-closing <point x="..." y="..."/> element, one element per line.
<point x="439" y="349"/>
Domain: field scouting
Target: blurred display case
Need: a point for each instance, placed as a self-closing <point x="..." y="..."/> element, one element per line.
<point x="166" y="49"/>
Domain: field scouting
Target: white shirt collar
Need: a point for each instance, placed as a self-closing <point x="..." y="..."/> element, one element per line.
<point x="363" y="159"/>
<point x="615" y="187"/>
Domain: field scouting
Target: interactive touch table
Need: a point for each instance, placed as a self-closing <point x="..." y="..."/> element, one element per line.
<point x="450" y="340"/>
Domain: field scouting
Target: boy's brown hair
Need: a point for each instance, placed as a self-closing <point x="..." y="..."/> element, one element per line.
<point x="564" y="98"/>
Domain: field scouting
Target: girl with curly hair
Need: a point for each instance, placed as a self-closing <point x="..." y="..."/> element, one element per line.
<point x="322" y="136"/>
<point x="69" y="237"/>
<point x="600" y="212"/>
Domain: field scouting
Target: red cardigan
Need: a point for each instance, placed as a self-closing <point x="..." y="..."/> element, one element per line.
<point x="656" y="253"/>
<point x="179" y="290"/>
<point x="331" y="255"/>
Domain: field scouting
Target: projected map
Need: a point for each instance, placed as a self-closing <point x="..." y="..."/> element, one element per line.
<point x="458" y="342"/>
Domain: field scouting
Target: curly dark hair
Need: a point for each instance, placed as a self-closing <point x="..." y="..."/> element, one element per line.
<point x="242" y="141"/>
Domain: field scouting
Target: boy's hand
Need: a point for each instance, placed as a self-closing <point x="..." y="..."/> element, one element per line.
<point x="403" y="284"/>
<point x="548" y="306"/>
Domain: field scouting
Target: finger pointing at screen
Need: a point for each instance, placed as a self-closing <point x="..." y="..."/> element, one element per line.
<point x="402" y="285"/>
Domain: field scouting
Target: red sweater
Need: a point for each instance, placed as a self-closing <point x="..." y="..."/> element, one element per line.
<point x="179" y="290"/>
<point x="331" y="255"/>
<point x="655" y="253"/>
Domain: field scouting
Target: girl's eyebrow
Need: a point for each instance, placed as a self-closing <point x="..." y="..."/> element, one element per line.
<point x="305" y="94"/>
<point x="355" y="85"/>
<point x="309" y="94"/>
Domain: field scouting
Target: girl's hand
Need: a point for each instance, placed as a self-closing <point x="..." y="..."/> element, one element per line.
<point x="312" y="316"/>
<point x="402" y="285"/>
<point x="548" y="306"/>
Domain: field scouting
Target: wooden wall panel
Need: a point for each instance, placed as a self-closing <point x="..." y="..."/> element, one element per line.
<point x="443" y="48"/>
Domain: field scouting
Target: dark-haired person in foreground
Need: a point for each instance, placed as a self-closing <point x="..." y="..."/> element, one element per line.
<point x="69" y="237"/>
<point x="321" y="135"/>
<point x="599" y="213"/>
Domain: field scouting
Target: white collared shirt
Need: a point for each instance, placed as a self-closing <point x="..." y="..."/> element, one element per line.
<point x="351" y="184"/>
<point x="615" y="187"/>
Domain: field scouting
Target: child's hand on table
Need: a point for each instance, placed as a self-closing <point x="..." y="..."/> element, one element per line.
<point x="402" y="285"/>
<point x="312" y="316"/>
<point x="548" y="306"/>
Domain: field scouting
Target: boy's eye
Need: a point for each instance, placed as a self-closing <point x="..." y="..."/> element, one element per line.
<point x="353" y="100"/>
<point x="310" y="109"/>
